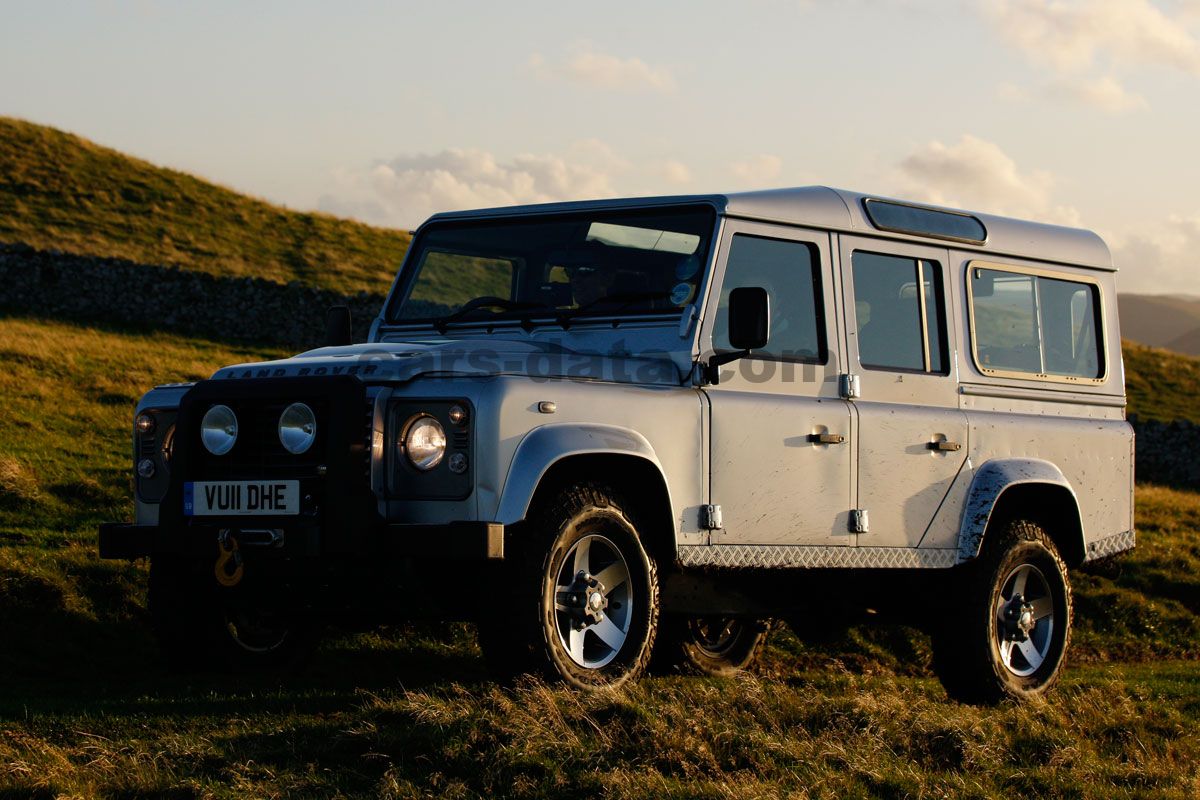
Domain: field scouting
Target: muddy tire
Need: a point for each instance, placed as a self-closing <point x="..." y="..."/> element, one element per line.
<point x="1009" y="633"/>
<point x="580" y="601"/>
<point x="717" y="646"/>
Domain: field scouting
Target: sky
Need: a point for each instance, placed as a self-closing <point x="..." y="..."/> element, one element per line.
<point x="1078" y="112"/>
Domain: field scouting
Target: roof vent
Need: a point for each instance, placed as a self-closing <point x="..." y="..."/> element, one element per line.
<point x="921" y="221"/>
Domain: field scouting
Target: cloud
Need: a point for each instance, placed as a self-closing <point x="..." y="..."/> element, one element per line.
<point x="674" y="173"/>
<point x="1104" y="94"/>
<point x="405" y="190"/>
<point x="1164" y="259"/>
<point x="758" y="170"/>
<point x="589" y="67"/>
<point x="1074" y="38"/>
<point x="977" y="174"/>
<point x="1070" y="35"/>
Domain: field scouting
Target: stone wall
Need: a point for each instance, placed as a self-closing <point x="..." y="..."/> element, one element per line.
<point x="146" y="297"/>
<point x="1168" y="452"/>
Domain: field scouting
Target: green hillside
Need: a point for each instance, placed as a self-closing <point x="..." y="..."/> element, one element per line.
<point x="1160" y="384"/>
<point x="61" y="192"/>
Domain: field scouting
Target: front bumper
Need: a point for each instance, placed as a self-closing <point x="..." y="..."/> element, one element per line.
<point x="454" y="540"/>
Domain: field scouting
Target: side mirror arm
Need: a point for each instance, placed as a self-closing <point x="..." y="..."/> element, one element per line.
<point x="712" y="370"/>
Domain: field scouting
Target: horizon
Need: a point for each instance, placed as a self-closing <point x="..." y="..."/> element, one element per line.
<point x="1065" y="112"/>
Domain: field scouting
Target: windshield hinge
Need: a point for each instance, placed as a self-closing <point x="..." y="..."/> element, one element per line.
<point x="685" y="321"/>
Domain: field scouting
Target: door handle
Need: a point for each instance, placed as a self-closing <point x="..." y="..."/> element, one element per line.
<point x="826" y="438"/>
<point x="944" y="447"/>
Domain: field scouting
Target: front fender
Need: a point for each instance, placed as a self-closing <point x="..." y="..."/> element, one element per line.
<point x="544" y="446"/>
<point x="992" y="480"/>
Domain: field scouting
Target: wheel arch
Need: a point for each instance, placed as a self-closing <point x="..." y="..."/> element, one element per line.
<point x="554" y="456"/>
<point x="1028" y="488"/>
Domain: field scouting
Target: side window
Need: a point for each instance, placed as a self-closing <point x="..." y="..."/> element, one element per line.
<point x="900" y="313"/>
<point x="1035" y="324"/>
<point x="790" y="272"/>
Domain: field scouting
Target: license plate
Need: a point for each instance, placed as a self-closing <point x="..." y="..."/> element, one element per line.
<point x="240" y="498"/>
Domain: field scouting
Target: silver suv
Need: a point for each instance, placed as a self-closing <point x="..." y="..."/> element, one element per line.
<point x="632" y="430"/>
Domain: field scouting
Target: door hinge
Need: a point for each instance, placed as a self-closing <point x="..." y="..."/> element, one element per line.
<point x="859" y="523"/>
<point x="710" y="518"/>
<point x="850" y="386"/>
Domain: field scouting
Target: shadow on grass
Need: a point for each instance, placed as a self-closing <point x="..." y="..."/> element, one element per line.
<point x="76" y="641"/>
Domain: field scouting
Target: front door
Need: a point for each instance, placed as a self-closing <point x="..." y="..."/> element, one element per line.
<point x="780" y="452"/>
<point x="911" y="435"/>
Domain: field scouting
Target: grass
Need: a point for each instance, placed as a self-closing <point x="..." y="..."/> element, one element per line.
<point x="87" y="711"/>
<point x="67" y="417"/>
<point x="1160" y="384"/>
<point x="61" y="192"/>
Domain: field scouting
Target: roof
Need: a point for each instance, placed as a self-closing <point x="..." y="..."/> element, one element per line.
<point x="837" y="209"/>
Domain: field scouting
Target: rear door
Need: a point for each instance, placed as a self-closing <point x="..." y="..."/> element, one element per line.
<point x="911" y="435"/>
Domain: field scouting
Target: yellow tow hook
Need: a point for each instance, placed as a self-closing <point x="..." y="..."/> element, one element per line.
<point x="229" y="567"/>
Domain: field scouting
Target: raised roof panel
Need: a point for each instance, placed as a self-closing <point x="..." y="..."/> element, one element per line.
<point x="816" y="205"/>
<point x="840" y="210"/>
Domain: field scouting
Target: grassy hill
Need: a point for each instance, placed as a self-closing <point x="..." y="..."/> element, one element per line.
<point x="86" y="709"/>
<point x="1160" y="384"/>
<point x="61" y="192"/>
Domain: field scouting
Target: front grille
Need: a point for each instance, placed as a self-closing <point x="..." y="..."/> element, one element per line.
<point x="337" y="491"/>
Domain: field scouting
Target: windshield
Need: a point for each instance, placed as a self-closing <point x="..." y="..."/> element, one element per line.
<point x="560" y="267"/>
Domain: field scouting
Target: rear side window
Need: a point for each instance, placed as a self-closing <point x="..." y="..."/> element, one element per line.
<point x="790" y="272"/>
<point x="899" y="312"/>
<point x="1035" y="324"/>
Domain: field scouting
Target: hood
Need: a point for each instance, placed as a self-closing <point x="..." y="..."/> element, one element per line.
<point x="390" y="362"/>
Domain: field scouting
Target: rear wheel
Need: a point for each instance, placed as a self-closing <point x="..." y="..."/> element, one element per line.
<point x="719" y="646"/>
<point x="581" y="599"/>
<point x="1009" y="635"/>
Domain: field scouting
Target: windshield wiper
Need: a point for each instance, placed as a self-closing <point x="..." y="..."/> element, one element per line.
<point x="621" y="299"/>
<point x="489" y="301"/>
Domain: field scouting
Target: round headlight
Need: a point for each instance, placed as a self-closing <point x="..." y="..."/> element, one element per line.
<point x="424" y="443"/>
<point x="219" y="430"/>
<point x="168" y="445"/>
<point x="145" y="424"/>
<point x="297" y="428"/>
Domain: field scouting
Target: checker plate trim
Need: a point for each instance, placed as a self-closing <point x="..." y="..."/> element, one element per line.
<point x="789" y="556"/>
<point x="1111" y="545"/>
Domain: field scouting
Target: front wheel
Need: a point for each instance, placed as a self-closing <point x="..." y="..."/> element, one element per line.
<point x="1010" y="634"/>
<point x="582" y="605"/>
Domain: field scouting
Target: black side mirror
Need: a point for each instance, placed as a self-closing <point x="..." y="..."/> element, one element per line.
<point x="749" y="318"/>
<point x="338" y="331"/>
<point x="749" y="328"/>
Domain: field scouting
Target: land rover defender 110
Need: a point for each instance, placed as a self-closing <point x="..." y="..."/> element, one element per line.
<point x="630" y="432"/>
